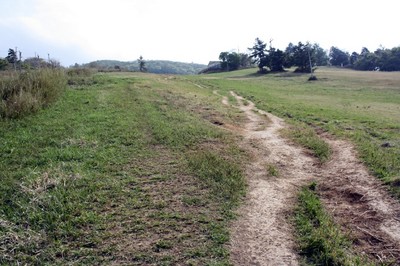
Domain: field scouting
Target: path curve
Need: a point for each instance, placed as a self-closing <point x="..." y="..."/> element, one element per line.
<point x="358" y="202"/>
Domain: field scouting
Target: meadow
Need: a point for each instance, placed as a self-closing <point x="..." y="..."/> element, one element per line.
<point x="124" y="168"/>
<point x="363" y="107"/>
<point x="134" y="168"/>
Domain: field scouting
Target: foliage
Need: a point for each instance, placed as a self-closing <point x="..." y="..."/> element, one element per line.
<point x="320" y="239"/>
<point x="320" y="55"/>
<point x="258" y="54"/>
<point x="300" y="55"/>
<point x="273" y="59"/>
<point x="12" y="57"/>
<point x="337" y="57"/>
<point x="232" y="61"/>
<point x="276" y="60"/>
<point x="23" y="93"/>
<point x="382" y="59"/>
<point x="78" y="76"/>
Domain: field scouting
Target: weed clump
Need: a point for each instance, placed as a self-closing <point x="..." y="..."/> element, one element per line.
<point x="27" y="92"/>
<point x="80" y="76"/>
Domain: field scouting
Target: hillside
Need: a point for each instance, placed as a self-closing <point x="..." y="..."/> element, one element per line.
<point x="153" y="66"/>
<point x="227" y="168"/>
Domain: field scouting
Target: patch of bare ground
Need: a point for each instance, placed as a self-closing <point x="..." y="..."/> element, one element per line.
<point x="360" y="204"/>
<point x="263" y="235"/>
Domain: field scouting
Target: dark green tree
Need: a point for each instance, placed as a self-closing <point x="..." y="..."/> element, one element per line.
<point x="289" y="55"/>
<point x="276" y="60"/>
<point x="301" y="55"/>
<point x="320" y="55"/>
<point x="258" y="54"/>
<point x="12" y="57"/>
<point x="245" y="60"/>
<point x="366" y="60"/>
<point x="338" y="57"/>
<point x="232" y="61"/>
<point x="223" y="56"/>
<point x="353" y="58"/>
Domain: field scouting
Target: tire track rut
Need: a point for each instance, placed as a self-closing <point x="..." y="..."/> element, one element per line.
<point x="263" y="235"/>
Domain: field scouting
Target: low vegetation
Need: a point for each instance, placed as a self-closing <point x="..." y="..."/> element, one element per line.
<point x="126" y="170"/>
<point x="307" y="137"/>
<point x="132" y="168"/>
<point x="320" y="240"/>
<point x="27" y="92"/>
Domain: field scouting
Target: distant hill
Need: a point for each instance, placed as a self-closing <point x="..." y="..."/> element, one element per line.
<point x="153" y="66"/>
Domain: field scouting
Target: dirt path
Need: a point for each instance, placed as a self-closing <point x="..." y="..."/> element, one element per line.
<point x="263" y="235"/>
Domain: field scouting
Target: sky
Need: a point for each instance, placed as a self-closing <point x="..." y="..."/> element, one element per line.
<point x="80" y="31"/>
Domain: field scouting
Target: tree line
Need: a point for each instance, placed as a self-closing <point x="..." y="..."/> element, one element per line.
<point x="307" y="56"/>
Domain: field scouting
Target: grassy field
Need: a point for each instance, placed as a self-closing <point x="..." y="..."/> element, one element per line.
<point x="133" y="168"/>
<point x="127" y="168"/>
<point x="363" y="107"/>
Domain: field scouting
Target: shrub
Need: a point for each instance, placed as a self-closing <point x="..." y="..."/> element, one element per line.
<point x="23" y="93"/>
<point x="80" y="76"/>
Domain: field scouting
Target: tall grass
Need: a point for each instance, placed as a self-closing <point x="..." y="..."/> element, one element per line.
<point x="80" y="76"/>
<point x="27" y="92"/>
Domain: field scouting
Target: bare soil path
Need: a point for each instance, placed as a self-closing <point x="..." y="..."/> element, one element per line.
<point x="263" y="234"/>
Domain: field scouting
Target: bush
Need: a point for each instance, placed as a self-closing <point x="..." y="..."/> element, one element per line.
<point x="80" y="76"/>
<point x="27" y="92"/>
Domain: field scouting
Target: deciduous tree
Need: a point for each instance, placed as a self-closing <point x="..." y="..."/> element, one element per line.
<point x="338" y="57"/>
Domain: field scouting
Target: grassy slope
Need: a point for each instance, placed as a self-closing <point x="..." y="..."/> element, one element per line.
<point x="130" y="169"/>
<point x="361" y="106"/>
<point x="127" y="170"/>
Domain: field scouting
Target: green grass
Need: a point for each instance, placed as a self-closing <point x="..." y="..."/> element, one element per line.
<point x="363" y="107"/>
<point x="118" y="172"/>
<point x="307" y="137"/>
<point x="320" y="240"/>
<point x="272" y="170"/>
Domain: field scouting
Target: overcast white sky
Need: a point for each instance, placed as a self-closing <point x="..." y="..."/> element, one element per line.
<point x="188" y="30"/>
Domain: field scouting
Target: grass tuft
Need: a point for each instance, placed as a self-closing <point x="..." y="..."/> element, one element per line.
<point x="272" y="170"/>
<point x="320" y="240"/>
<point x="307" y="137"/>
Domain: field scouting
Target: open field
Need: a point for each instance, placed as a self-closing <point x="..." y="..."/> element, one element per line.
<point x="361" y="106"/>
<point x="142" y="169"/>
<point x="130" y="170"/>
